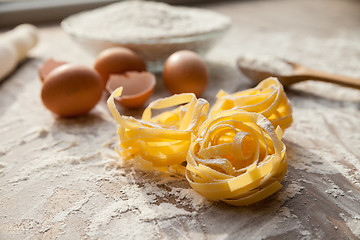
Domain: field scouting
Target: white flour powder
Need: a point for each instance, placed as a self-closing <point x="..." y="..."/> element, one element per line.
<point x="144" y="20"/>
<point x="60" y="179"/>
<point x="269" y="64"/>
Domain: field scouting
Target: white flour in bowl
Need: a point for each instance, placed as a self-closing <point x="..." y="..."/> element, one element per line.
<point x="151" y="29"/>
<point x="145" y="20"/>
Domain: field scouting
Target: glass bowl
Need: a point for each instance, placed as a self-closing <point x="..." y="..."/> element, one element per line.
<point x="153" y="51"/>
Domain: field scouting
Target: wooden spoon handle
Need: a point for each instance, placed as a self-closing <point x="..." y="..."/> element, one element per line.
<point x="333" y="78"/>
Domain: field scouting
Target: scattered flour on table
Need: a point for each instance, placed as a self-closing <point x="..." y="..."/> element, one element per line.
<point x="334" y="190"/>
<point x="197" y="201"/>
<point x="286" y="212"/>
<point x="354" y="225"/>
<point x="315" y="52"/>
<point x="290" y="191"/>
<point x="59" y="177"/>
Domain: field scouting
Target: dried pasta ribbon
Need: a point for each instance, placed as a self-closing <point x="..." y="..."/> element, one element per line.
<point x="238" y="157"/>
<point x="267" y="98"/>
<point x="163" y="140"/>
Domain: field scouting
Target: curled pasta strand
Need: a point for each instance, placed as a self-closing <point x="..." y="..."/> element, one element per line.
<point x="233" y="155"/>
<point x="155" y="139"/>
<point x="267" y="98"/>
<point x="246" y="185"/>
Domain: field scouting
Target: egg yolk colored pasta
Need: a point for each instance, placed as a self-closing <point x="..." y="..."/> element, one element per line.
<point x="267" y="98"/>
<point x="162" y="140"/>
<point x="237" y="157"/>
<point x="233" y="155"/>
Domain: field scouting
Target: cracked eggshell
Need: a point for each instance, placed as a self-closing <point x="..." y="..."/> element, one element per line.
<point x="48" y="66"/>
<point x="137" y="87"/>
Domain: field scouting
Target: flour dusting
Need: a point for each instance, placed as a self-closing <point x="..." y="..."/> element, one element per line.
<point x="292" y="190"/>
<point x="61" y="178"/>
<point x="268" y="64"/>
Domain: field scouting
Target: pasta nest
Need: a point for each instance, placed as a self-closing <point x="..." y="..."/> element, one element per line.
<point x="234" y="155"/>
<point x="267" y="98"/>
<point x="163" y="140"/>
<point x="237" y="157"/>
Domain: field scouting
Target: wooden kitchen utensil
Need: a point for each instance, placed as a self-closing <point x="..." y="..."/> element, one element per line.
<point x="300" y="73"/>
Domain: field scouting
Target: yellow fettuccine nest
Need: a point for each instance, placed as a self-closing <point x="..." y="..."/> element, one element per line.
<point x="237" y="158"/>
<point x="267" y="98"/>
<point x="235" y="155"/>
<point x="162" y="140"/>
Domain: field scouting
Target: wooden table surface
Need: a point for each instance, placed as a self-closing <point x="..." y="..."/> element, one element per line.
<point x="59" y="180"/>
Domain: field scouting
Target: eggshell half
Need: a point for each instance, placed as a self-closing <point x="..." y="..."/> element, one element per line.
<point x="137" y="87"/>
<point x="48" y="66"/>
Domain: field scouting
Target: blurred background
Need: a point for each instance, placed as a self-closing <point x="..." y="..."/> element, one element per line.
<point x="13" y="13"/>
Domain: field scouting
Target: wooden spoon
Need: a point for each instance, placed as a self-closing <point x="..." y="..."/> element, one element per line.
<point x="300" y="73"/>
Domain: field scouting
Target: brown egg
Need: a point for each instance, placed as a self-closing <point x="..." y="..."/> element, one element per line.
<point x="137" y="87"/>
<point x="185" y="72"/>
<point x="48" y="66"/>
<point x="71" y="90"/>
<point x="117" y="60"/>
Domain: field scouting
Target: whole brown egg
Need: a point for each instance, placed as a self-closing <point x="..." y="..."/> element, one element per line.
<point x="71" y="90"/>
<point x="117" y="60"/>
<point x="185" y="72"/>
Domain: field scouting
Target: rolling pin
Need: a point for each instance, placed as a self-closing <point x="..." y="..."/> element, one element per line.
<point x="14" y="46"/>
